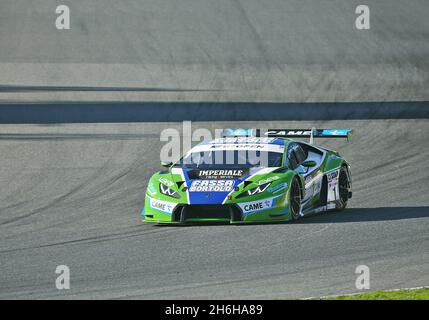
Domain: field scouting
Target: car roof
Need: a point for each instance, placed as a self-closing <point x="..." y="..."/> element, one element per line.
<point x="242" y="143"/>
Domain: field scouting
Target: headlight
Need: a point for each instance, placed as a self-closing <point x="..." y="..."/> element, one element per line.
<point x="168" y="192"/>
<point x="253" y="191"/>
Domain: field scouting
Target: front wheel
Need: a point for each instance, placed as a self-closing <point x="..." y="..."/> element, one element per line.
<point x="295" y="199"/>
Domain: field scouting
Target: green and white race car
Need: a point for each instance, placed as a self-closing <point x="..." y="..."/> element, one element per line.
<point x="244" y="177"/>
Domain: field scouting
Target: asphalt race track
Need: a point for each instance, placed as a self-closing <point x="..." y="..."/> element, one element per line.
<point x="81" y="112"/>
<point x="72" y="193"/>
<point x="225" y="50"/>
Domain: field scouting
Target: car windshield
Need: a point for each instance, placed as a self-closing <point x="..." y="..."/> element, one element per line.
<point x="231" y="158"/>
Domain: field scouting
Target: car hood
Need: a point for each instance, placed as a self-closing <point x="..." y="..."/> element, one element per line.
<point x="212" y="186"/>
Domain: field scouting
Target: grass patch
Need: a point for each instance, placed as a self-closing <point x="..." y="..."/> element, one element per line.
<point x="406" y="294"/>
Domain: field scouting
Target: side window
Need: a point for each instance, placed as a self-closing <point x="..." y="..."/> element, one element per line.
<point x="300" y="154"/>
<point x="291" y="157"/>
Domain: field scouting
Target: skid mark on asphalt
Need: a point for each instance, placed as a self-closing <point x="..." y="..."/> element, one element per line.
<point x="92" y="240"/>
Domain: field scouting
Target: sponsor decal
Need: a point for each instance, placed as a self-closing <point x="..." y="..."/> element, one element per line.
<point x="249" y="207"/>
<point x="329" y="206"/>
<point x="288" y="132"/>
<point x="212" y="186"/>
<point x="256" y="206"/>
<point x="315" y="179"/>
<point x="281" y="186"/>
<point x="244" y="140"/>
<point x="332" y="175"/>
<point x="217" y="174"/>
<point x="238" y="146"/>
<point x="166" y="182"/>
<point x="307" y="132"/>
<point x="335" y="132"/>
<point x="308" y="179"/>
<point x="237" y="132"/>
<point x="270" y="179"/>
<point x="317" y="187"/>
<point x="163" y="206"/>
<point x="217" y="147"/>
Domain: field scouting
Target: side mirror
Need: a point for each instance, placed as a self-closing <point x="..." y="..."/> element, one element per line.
<point x="309" y="164"/>
<point x="166" y="164"/>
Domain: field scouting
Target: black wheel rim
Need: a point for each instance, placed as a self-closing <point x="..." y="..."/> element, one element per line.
<point x="343" y="186"/>
<point x="295" y="199"/>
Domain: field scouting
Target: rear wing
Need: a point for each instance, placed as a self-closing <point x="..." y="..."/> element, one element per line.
<point x="310" y="133"/>
<point x="292" y="133"/>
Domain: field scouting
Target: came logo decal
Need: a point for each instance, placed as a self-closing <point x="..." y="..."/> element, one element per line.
<point x="212" y="186"/>
<point x="254" y="206"/>
<point x="160" y="205"/>
<point x="288" y="132"/>
<point x="248" y="207"/>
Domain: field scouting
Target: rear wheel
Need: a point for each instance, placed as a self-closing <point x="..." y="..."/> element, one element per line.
<point x="295" y="199"/>
<point x="343" y="186"/>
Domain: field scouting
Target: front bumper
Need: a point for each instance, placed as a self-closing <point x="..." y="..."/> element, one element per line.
<point x="234" y="213"/>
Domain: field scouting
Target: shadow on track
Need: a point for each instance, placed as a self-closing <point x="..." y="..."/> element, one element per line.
<point x="348" y="215"/>
<point x="369" y="214"/>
